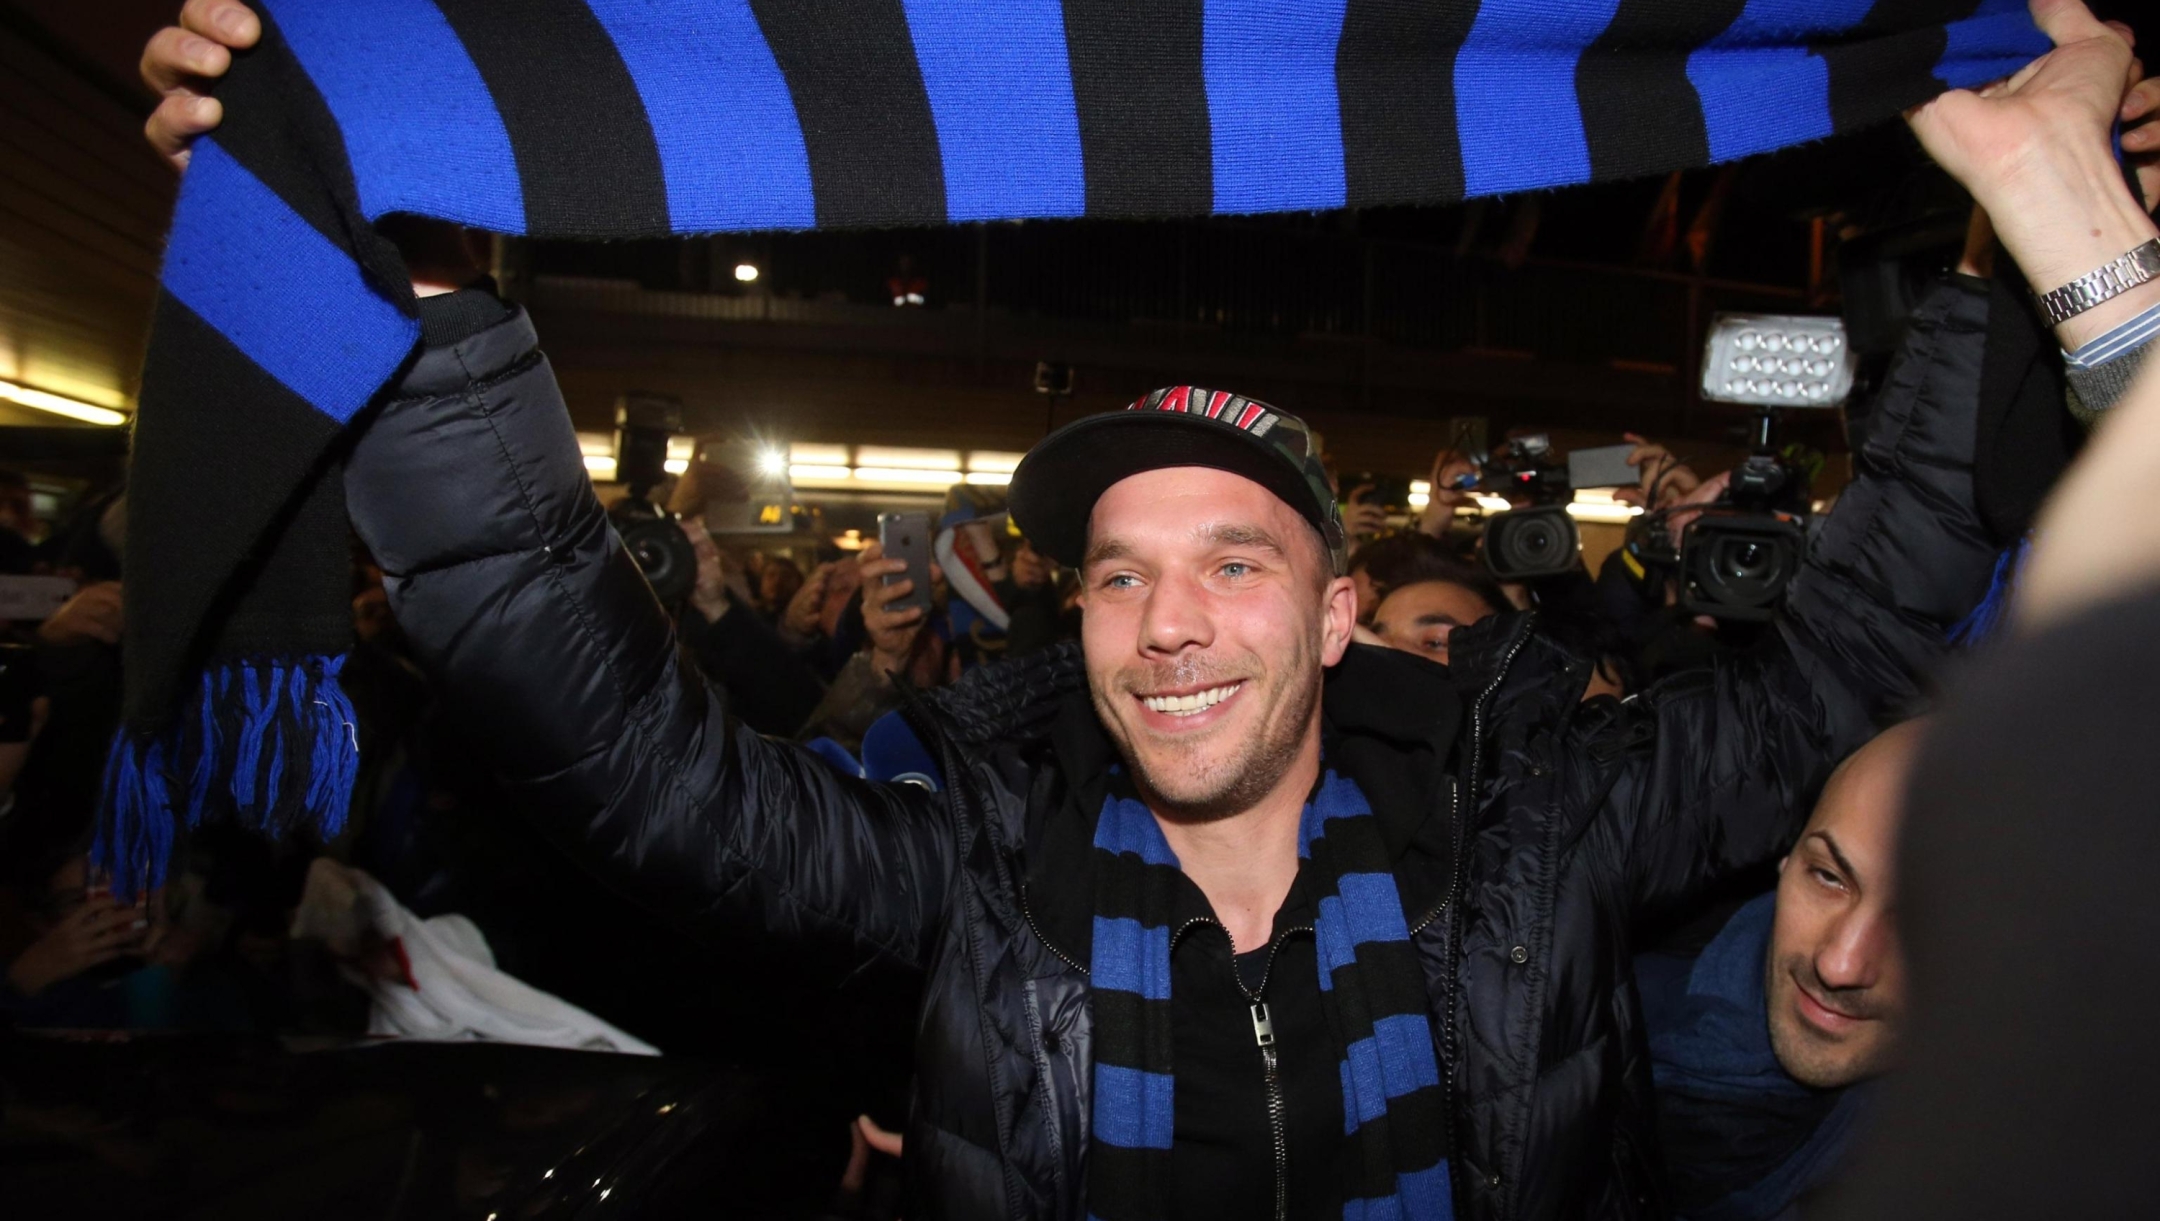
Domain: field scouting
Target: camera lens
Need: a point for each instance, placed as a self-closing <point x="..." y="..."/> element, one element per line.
<point x="664" y="555"/>
<point x="1746" y="560"/>
<point x="1531" y="543"/>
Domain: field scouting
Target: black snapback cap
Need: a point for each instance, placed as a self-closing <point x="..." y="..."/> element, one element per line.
<point x="1054" y="490"/>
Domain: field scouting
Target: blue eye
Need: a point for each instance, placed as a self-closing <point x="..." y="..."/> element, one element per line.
<point x="1236" y="568"/>
<point x="1123" y="580"/>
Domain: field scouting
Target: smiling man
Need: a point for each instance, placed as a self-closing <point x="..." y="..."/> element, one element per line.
<point x="1757" y="1041"/>
<point x="1218" y="914"/>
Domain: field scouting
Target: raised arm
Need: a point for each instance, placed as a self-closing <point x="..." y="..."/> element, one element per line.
<point x="1739" y="749"/>
<point x="515" y="592"/>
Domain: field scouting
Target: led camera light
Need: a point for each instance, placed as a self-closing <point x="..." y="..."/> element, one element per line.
<point x="1773" y="360"/>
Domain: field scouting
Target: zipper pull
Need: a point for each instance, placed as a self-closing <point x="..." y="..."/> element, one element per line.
<point x="1263" y="1030"/>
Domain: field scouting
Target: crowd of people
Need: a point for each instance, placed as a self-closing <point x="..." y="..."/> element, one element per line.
<point x="1034" y="878"/>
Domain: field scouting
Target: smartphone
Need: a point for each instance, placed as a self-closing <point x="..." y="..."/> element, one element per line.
<point x="1603" y="466"/>
<point x="33" y="598"/>
<point x="906" y="536"/>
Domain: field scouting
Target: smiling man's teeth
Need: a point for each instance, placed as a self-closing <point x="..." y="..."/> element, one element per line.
<point x="1186" y="705"/>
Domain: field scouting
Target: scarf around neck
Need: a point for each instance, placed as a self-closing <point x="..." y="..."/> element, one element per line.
<point x="1372" y="992"/>
<point x="1743" y="1140"/>
<point x="283" y="312"/>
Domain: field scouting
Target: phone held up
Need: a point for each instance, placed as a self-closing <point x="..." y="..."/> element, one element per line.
<point x="906" y="537"/>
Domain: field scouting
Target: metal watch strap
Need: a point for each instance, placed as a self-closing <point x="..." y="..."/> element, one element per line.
<point x="2109" y="280"/>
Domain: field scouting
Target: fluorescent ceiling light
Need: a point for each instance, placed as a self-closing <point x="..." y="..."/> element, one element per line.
<point x="812" y="454"/>
<point x="74" y="409"/>
<point x="988" y="460"/>
<point x="869" y="456"/>
<point x="901" y="474"/>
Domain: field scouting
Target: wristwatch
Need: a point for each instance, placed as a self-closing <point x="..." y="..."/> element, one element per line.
<point x="2111" y="279"/>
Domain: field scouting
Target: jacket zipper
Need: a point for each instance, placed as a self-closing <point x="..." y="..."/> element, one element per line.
<point x="1451" y="904"/>
<point x="1264" y="1037"/>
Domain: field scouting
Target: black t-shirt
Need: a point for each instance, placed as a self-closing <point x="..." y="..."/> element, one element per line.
<point x="1223" y="1158"/>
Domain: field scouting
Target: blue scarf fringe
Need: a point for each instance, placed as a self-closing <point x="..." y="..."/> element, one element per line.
<point x="1981" y="623"/>
<point x="268" y="743"/>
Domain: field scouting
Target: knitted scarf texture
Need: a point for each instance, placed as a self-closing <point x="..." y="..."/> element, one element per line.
<point x="1371" y="987"/>
<point x="283" y="312"/>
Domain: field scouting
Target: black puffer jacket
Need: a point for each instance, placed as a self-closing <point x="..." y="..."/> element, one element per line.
<point x="1572" y="823"/>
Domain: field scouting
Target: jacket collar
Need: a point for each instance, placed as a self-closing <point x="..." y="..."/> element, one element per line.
<point x="1389" y="722"/>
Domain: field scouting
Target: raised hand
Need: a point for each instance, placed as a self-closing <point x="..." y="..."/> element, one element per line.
<point x="182" y="61"/>
<point x="2034" y="150"/>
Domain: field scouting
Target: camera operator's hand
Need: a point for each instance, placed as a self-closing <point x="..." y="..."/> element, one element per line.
<point x="93" y="614"/>
<point x="2034" y="150"/>
<point x="892" y="632"/>
<point x="1362" y="518"/>
<point x="1665" y="479"/>
<point x="1689" y="507"/>
<point x="1448" y="466"/>
<point x="89" y="936"/>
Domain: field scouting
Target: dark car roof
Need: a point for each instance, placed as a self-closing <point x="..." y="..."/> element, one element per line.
<point x="235" y="1127"/>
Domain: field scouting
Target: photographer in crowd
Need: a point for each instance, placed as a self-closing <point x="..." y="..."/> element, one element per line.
<point x="1405" y="895"/>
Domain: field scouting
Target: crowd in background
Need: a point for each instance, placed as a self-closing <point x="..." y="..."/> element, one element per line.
<point x="1770" y="1008"/>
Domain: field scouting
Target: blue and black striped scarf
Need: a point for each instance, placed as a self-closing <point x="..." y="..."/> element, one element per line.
<point x="283" y="311"/>
<point x="1371" y="987"/>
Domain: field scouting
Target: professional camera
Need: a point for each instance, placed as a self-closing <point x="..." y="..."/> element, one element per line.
<point x="643" y="425"/>
<point x="1540" y="539"/>
<point x="1738" y="557"/>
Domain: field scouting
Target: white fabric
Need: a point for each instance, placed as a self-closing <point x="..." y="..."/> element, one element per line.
<point x="456" y="991"/>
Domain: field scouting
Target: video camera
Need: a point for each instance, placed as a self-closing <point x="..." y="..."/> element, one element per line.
<point x="643" y="425"/>
<point x="1736" y="559"/>
<point x="1539" y="539"/>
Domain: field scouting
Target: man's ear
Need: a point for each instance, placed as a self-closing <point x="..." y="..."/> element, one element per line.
<point x="1781" y="864"/>
<point x="1339" y="620"/>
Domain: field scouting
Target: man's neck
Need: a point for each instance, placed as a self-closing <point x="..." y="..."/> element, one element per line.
<point x="1244" y="863"/>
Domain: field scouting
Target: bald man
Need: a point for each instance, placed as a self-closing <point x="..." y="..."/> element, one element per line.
<point x="1757" y="1042"/>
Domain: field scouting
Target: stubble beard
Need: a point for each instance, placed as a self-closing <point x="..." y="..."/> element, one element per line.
<point x="1807" y="1057"/>
<point x="1180" y="787"/>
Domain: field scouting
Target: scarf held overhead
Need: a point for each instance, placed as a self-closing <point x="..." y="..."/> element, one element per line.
<point x="282" y="311"/>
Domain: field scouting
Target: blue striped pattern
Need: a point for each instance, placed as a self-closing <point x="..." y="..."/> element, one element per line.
<point x="1997" y="40"/>
<point x="1761" y="88"/>
<point x="421" y="130"/>
<point x="1396" y="1059"/>
<point x="2119" y="341"/>
<point x="1517" y="114"/>
<point x="1132" y="957"/>
<point x="1008" y="132"/>
<point x="295" y="304"/>
<point x="1133" y="1109"/>
<point x="1418" y="1196"/>
<point x="1367" y="909"/>
<point x="731" y="150"/>
<point x="1270" y="72"/>
<point x="1127" y="827"/>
